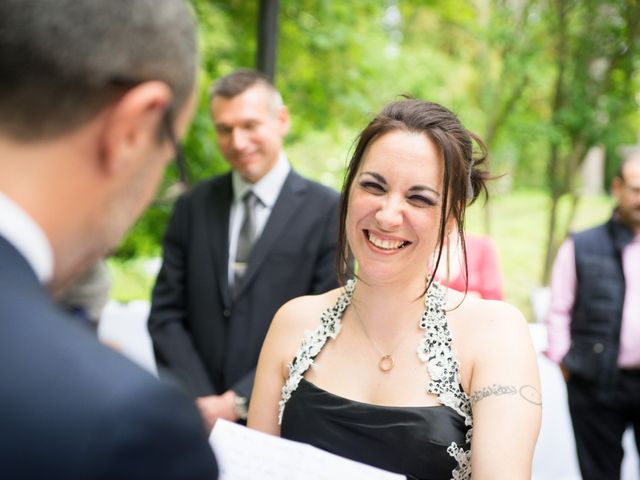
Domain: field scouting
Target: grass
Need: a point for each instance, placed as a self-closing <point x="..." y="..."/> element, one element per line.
<point x="518" y="226"/>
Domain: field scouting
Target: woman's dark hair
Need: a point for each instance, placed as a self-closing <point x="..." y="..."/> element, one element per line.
<point x="465" y="170"/>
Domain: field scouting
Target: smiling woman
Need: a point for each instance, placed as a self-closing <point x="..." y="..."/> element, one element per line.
<point x="393" y="215"/>
<point x="407" y="375"/>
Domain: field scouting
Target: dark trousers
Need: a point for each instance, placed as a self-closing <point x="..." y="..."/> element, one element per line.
<point x="599" y="420"/>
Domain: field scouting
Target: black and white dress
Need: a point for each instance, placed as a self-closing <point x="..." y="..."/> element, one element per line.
<point x="426" y="443"/>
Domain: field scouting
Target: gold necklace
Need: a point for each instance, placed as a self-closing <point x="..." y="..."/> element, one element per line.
<point x="386" y="362"/>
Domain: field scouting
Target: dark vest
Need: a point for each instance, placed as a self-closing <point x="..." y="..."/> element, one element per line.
<point x="597" y="311"/>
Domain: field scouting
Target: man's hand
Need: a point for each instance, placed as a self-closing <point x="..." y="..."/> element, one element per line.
<point x="214" y="407"/>
<point x="565" y="372"/>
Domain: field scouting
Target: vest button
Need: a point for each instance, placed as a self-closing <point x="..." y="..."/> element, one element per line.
<point x="598" y="348"/>
<point x="226" y="313"/>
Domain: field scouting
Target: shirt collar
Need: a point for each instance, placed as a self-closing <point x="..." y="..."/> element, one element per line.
<point x="268" y="187"/>
<point x="20" y="230"/>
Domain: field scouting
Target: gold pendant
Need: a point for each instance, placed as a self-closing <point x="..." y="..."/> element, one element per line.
<point x="386" y="363"/>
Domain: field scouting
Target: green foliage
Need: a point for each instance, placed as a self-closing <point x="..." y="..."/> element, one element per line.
<point x="593" y="49"/>
<point x="142" y="240"/>
<point x="539" y="80"/>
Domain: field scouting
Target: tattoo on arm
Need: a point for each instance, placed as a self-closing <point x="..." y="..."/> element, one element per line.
<point x="526" y="392"/>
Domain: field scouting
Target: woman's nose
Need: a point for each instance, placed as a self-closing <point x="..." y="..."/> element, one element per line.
<point x="389" y="214"/>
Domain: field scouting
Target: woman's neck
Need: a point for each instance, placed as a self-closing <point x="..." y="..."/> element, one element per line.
<point x="389" y="306"/>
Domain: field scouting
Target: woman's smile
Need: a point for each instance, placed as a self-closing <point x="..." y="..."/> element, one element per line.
<point x="385" y="243"/>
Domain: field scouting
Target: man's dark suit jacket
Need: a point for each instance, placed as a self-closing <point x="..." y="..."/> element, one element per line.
<point x="202" y="335"/>
<point x="71" y="408"/>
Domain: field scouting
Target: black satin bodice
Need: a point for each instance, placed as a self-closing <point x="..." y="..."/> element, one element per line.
<point x="412" y="441"/>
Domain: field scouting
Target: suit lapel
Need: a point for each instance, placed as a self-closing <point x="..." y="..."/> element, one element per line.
<point x="217" y="216"/>
<point x="289" y="200"/>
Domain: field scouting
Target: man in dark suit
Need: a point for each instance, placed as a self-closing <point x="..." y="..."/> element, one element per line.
<point x="232" y="258"/>
<point x="87" y="96"/>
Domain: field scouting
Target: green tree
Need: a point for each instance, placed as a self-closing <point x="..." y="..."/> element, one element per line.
<point x="540" y="80"/>
<point x="594" y="53"/>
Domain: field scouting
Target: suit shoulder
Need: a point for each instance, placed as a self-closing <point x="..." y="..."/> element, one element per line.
<point x="323" y="191"/>
<point x="62" y="353"/>
<point x="204" y="187"/>
<point x="157" y="420"/>
<point x="589" y="232"/>
<point x="96" y="400"/>
<point x="317" y="188"/>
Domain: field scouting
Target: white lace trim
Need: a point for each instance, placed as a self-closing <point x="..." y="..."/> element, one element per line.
<point x="434" y="349"/>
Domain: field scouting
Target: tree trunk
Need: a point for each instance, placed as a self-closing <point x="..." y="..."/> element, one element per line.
<point x="556" y="193"/>
<point x="575" y="202"/>
<point x="553" y="172"/>
<point x="550" y="247"/>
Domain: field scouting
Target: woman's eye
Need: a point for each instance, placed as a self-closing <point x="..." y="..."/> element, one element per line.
<point x="422" y="201"/>
<point x="372" y="187"/>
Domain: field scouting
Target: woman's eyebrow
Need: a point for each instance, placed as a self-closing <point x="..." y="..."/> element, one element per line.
<point x="415" y="188"/>
<point x="377" y="176"/>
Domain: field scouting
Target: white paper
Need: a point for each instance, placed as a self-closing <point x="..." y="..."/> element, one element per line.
<point x="246" y="454"/>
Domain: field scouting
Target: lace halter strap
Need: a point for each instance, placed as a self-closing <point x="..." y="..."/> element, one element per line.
<point x="435" y="349"/>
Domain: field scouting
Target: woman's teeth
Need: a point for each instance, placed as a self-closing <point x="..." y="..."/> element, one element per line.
<point x="386" y="244"/>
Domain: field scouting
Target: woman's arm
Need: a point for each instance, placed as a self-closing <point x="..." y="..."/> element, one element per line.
<point x="263" y="409"/>
<point x="280" y="346"/>
<point x="505" y="396"/>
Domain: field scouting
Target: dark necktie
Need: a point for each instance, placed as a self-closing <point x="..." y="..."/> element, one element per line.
<point x="246" y="238"/>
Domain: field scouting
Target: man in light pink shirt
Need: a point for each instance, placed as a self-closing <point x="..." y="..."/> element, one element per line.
<point x="594" y="328"/>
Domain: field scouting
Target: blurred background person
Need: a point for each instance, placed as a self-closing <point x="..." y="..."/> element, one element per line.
<point x="482" y="276"/>
<point x="594" y="328"/>
<point x="237" y="247"/>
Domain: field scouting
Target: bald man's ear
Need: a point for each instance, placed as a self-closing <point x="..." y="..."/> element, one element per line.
<point x="131" y="126"/>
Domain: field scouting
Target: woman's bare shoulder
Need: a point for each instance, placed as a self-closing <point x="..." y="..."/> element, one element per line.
<point x="491" y="322"/>
<point x="494" y="345"/>
<point x="303" y="313"/>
